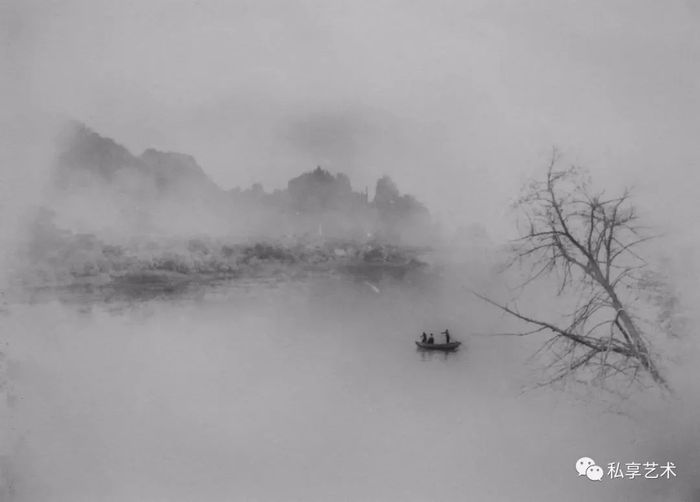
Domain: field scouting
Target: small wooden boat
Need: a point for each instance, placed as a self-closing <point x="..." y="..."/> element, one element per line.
<point x="439" y="346"/>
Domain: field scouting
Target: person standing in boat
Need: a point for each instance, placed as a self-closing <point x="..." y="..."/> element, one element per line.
<point x="447" y="335"/>
<point x="431" y="340"/>
<point x="424" y="338"/>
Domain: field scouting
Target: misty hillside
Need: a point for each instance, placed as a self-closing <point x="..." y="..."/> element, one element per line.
<point x="87" y="155"/>
<point x="168" y="193"/>
<point x="114" y="217"/>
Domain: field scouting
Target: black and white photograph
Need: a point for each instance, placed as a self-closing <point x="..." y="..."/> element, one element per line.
<point x="349" y="250"/>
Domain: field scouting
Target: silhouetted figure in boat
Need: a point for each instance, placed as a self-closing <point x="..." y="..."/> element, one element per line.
<point x="447" y="335"/>
<point x="431" y="340"/>
<point x="424" y="337"/>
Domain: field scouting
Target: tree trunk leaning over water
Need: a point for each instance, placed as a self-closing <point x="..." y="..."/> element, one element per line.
<point x="588" y="241"/>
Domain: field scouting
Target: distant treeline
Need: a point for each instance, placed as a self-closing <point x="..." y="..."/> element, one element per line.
<point x="53" y="256"/>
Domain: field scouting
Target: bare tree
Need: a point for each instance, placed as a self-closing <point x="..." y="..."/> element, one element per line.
<point x="589" y="243"/>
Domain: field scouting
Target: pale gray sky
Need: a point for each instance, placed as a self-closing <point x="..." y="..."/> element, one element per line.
<point x="457" y="100"/>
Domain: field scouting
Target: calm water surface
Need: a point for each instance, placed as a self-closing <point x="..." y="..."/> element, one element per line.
<point x="299" y="391"/>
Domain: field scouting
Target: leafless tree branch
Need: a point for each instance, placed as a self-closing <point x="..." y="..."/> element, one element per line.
<point x="589" y="240"/>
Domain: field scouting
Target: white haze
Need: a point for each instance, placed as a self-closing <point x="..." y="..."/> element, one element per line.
<point x="316" y="394"/>
<point x="429" y="93"/>
<point x="313" y="391"/>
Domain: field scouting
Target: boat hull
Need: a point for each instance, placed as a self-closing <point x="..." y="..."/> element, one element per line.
<point x="446" y="347"/>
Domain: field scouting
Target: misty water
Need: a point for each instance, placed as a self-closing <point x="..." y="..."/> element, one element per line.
<point x="307" y="390"/>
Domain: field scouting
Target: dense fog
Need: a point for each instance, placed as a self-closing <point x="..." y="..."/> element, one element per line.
<point x="286" y="387"/>
<point x="313" y="390"/>
<point x="224" y="224"/>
